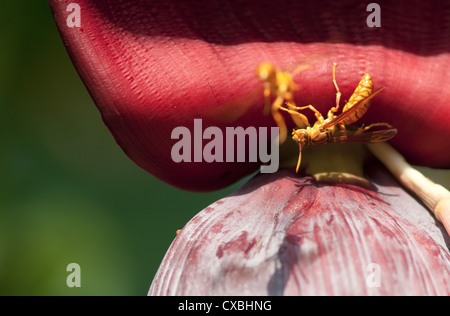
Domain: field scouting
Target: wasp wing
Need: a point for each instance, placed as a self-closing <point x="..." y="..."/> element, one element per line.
<point x="364" y="137"/>
<point x="338" y="119"/>
<point x="304" y="64"/>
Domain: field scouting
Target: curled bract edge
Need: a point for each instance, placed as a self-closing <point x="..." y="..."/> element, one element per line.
<point x="153" y="66"/>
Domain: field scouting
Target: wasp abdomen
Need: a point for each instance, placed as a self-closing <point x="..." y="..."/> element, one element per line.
<point x="362" y="91"/>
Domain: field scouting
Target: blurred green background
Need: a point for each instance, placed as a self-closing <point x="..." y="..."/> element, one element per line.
<point x="67" y="191"/>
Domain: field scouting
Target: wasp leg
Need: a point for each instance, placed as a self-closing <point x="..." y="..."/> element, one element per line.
<point x="278" y="118"/>
<point x="338" y="94"/>
<point x="303" y="118"/>
<point x="267" y="104"/>
<point x="343" y="129"/>
<point x="312" y="108"/>
<point x="319" y="115"/>
<point x="366" y="128"/>
<point x="281" y="125"/>
<point x="299" y="121"/>
<point x="377" y="124"/>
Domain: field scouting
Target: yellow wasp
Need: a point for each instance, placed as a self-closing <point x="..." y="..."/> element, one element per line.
<point x="327" y="131"/>
<point x="280" y="84"/>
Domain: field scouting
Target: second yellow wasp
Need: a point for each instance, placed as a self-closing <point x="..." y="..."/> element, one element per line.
<point x="280" y="84"/>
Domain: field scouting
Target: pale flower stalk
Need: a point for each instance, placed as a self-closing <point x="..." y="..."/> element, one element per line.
<point x="322" y="233"/>
<point x="433" y="195"/>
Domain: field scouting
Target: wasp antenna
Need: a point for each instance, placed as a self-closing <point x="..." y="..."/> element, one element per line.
<point x="299" y="158"/>
<point x="300" y="69"/>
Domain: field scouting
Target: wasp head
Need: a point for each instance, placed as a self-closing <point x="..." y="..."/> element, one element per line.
<point x="301" y="136"/>
<point x="266" y="72"/>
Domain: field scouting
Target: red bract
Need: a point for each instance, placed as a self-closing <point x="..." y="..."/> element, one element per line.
<point x="284" y="235"/>
<point x="151" y="66"/>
